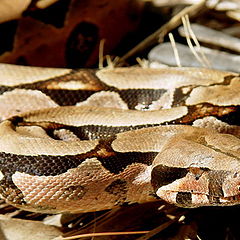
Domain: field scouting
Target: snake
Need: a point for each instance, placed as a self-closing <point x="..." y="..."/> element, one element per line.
<point x="84" y="140"/>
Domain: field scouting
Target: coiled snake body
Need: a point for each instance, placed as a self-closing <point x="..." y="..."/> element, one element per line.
<point x="85" y="140"/>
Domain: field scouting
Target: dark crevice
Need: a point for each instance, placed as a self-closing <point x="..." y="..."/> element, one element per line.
<point x="7" y="34"/>
<point x="81" y="43"/>
<point x="54" y="14"/>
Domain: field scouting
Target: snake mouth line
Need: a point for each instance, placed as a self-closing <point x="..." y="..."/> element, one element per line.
<point x="231" y="199"/>
<point x="197" y="199"/>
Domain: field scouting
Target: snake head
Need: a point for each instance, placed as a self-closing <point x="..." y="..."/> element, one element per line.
<point x="196" y="187"/>
<point x="194" y="173"/>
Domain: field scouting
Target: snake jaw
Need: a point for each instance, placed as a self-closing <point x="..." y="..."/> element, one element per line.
<point x="187" y="191"/>
<point x="231" y="200"/>
<point x="203" y="191"/>
<point x="193" y="200"/>
<point x="183" y="199"/>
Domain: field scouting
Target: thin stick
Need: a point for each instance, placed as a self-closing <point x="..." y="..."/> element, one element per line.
<point x="162" y="31"/>
<point x="195" y="40"/>
<point x="103" y="234"/>
<point x="190" y="43"/>
<point x="110" y="63"/>
<point x="160" y="228"/>
<point x="100" y="54"/>
<point x="175" y="51"/>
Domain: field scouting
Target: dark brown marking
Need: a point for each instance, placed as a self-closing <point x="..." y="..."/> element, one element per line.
<point x="8" y="30"/>
<point x="180" y="97"/>
<point x="231" y="118"/>
<point x="50" y="165"/>
<point x="117" y="187"/>
<point x="214" y="200"/>
<point x="184" y="198"/>
<point x="216" y="179"/>
<point x="133" y="97"/>
<point x="74" y="192"/>
<point x="48" y="15"/>
<point x="119" y="161"/>
<point x="81" y="43"/>
<point x="204" y="110"/>
<point x="10" y="192"/>
<point x="163" y="175"/>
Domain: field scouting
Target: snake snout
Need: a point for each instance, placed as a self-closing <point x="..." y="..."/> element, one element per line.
<point x="231" y="188"/>
<point x="196" y="187"/>
<point x="185" y="187"/>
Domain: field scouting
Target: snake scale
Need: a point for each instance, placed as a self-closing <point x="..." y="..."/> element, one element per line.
<point x="86" y="140"/>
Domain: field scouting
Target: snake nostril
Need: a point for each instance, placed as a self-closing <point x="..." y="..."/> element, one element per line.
<point x="235" y="175"/>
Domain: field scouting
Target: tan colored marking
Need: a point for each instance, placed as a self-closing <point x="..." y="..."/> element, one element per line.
<point x="78" y="80"/>
<point x="65" y="135"/>
<point x="142" y="140"/>
<point x="200" y="152"/>
<point x="21" y="100"/>
<point x="165" y="78"/>
<point x="200" y="200"/>
<point x="13" y="75"/>
<point x="217" y="95"/>
<point x="70" y="85"/>
<point x="165" y="102"/>
<point x="86" y="115"/>
<point x="154" y="138"/>
<point x="186" y="90"/>
<point x="36" y="142"/>
<point x="1" y="175"/>
<point x="231" y="185"/>
<point x="144" y="177"/>
<point x="104" y="153"/>
<point x="104" y="99"/>
<point x="214" y="123"/>
<point x="226" y="143"/>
